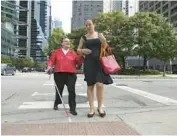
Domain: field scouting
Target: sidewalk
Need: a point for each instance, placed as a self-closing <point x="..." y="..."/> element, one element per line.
<point x="76" y="128"/>
<point x="168" y="76"/>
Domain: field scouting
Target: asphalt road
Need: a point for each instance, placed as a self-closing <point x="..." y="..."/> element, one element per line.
<point x="148" y="105"/>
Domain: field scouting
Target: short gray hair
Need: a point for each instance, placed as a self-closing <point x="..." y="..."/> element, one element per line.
<point x="66" y="39"/>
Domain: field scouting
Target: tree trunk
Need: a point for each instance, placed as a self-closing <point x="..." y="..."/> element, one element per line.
<point x="164" y="67"/>
<point x="145" y="63"/>
<point x="123" y="61"/>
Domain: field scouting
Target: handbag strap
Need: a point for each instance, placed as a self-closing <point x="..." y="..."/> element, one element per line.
<point x="105" y="51"/>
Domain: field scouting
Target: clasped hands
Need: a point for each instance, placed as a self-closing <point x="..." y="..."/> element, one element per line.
<point x="84" y="51"/>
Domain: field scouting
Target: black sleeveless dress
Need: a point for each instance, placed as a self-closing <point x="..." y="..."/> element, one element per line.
<point x="92" y="68"/>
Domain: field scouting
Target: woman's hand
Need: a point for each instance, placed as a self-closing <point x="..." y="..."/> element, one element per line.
<point x="49" y="70"/>
<point x="84" y="51"/>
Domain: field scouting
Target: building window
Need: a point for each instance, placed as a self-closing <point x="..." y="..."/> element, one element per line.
<point x="174" y="18"/>
<point x="165" y="8"/>
<point x="99" y="10"/>
<point x="158" y="11"/>
<point x="164" y="2"/>
<point x="152" y="9"/>
<point x="174" y="10"/>
<point x="85" y="9"/>
<point x="165" y="14"/>
<point x="173" y="2"/>
<point x="158" y="5"/>
<point x="141" y="7"/>
<point x="151" y="3"/>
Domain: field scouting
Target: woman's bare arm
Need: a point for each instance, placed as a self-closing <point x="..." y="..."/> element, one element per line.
<point x="80" y="49"/>
<point x="81" y="44"/>
<point x="103" y="40"/>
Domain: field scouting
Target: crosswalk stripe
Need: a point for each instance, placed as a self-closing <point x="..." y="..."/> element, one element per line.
<point x="49" y="105"/>
<point x="51" y="94"/>
<point x="52" y="84"/>
<point x="151" y="96"/>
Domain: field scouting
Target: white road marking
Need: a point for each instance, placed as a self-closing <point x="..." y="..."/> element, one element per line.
<point x="49" y="105"/>
<point x="35" y="93"/>
<point x="52" y="84"/>
<point x="52" y="94"/>
<point x="154" y="97"/>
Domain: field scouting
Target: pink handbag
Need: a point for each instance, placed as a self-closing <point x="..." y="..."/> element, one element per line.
<point x="108" y="61"/>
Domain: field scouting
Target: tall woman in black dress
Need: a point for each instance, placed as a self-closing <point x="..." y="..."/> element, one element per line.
<point x="90" y="45"/>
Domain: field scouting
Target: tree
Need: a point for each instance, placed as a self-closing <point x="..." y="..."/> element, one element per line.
<point x="56" y="39"/>
<point x="165" y="41"/>
<point x="144" y="26"/>
<point x="40" y="65"/>
<point x="28" y="62"/>
<point x="75" y="36"/>
<point x="20" y="63"/>
<point x="119" y="33"/>
<point x="46" y="49"/>
<point x="6" y="59"/>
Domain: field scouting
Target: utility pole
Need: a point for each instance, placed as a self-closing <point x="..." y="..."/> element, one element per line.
<point x="28" y="47"/>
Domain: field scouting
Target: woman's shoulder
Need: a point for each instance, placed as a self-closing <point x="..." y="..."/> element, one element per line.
<point x="58" y="50"/>
<point x="101" y="37"/>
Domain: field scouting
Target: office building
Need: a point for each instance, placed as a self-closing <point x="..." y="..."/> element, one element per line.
<point x="166" y="8"/>
<point x="169" y="10"/>
<point x="129" y="7"/>
<point x="39" y="24"/>
<point x="83" y="10"/>
<point x="9" y="27"/>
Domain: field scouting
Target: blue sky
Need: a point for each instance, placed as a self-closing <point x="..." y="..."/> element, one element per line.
<point x="62" y="10"/>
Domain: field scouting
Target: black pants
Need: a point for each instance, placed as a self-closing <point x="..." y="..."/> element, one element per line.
<point x="68" y="79"/>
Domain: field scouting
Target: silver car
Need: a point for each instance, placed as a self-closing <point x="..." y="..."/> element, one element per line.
<point x="7" y="69"/>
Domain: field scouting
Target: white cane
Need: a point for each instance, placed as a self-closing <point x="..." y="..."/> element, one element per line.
<point x="67" y="114"/>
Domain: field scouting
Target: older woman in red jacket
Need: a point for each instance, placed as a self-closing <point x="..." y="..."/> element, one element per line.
<point x="65" y="61"/>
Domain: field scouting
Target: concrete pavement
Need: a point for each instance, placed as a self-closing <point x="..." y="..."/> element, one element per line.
<point x="28" y="99"/>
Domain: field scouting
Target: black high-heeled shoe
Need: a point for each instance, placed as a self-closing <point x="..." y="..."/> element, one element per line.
<point x="90" y="115"/>
<point x="101" y="114"/>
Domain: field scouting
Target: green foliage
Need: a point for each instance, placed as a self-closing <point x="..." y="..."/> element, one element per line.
<point x="40" y="65"/>
<point x="6" y="59"/>
<point x="145" y="34"/>
<point x="155" y="37"/>
<point x="56" y="39"/>
<point x="24" y="62"/>
<point x="75" y="36"/>
<point x="119" y="33"/>
<point x="133" y="71"/>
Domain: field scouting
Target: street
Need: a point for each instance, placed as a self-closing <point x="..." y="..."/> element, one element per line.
<point x="146" y="105"/>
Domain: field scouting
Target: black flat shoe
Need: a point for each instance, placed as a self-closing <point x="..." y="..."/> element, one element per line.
<point x="55" y="107"/>
<point x="73" y="112"/>
<point x="101" y="114"/>
<point x="90" y="115"/>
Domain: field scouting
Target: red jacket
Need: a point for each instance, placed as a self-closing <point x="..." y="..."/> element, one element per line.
<point x="65" y="63"/>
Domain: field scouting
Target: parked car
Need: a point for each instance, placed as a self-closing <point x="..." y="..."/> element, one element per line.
<point x="26" y="69"/>
<point x="7" y="69"/>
